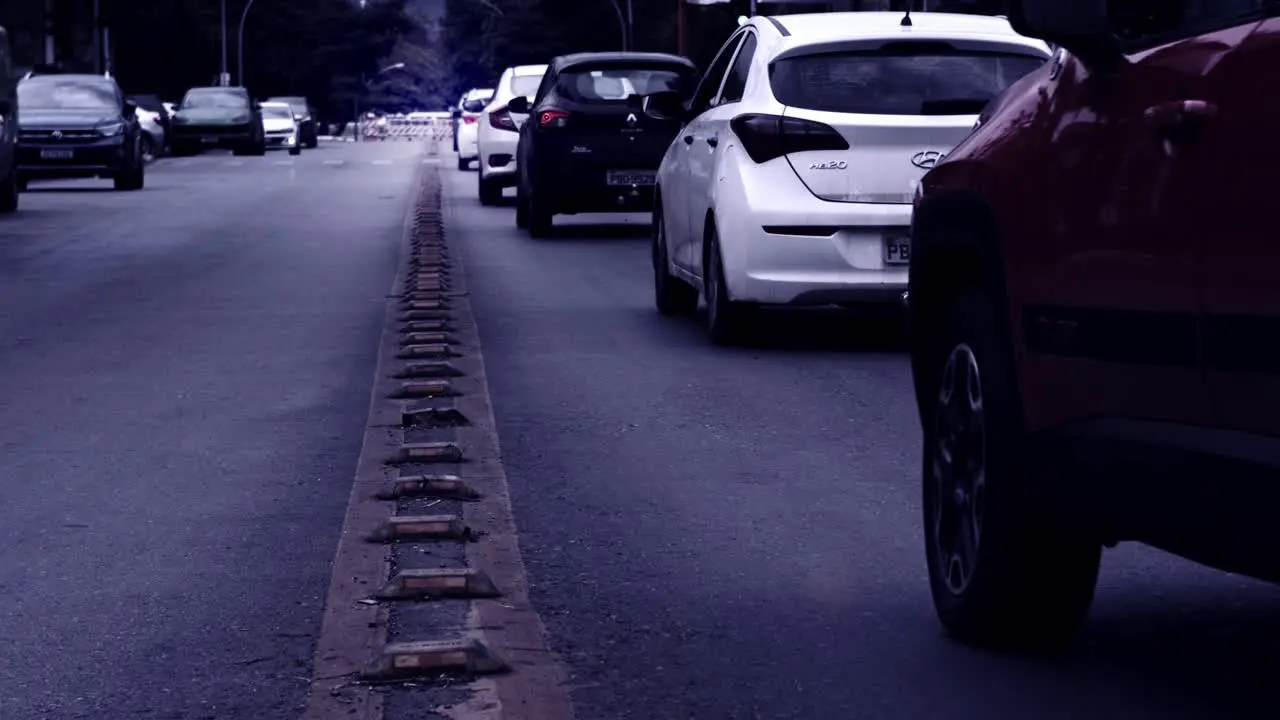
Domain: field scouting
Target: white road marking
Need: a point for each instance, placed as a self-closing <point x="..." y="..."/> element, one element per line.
<point x="235" y="163"/>
<point x="381" y="162"/>
<point x="335" y="162"/>
<point x="284" y="162"/>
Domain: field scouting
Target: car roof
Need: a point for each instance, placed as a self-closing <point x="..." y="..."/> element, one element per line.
<point x="236" y="90"/>
<point x="528" y="69"/>
<point x="69" y="76"/>
<point x="276" y="103"/>
<point x="812" y="28"/>
<point x="568" y="61"/>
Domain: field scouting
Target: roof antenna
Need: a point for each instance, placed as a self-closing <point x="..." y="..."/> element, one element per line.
<point x="906" y="19"/>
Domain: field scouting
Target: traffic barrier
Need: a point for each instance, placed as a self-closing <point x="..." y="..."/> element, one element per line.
<point x="430" y="129"/>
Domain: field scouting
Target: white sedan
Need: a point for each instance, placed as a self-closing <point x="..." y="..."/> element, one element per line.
<point x="792" y="180"/>
<point x="500" y="131"/>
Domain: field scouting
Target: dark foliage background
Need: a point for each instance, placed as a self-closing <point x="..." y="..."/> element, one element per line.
<point x="327" y="49"/>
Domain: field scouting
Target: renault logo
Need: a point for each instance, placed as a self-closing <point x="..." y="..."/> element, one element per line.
<point x="631" y="119"/>
<point x="57" y="134"/>
<point x="927" y="159"/>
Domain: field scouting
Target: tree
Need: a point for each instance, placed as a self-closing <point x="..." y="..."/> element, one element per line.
<point x="292" y="47"/>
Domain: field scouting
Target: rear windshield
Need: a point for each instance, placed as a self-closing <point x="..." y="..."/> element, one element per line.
<point x="215" y="98"/>
<point x="525" y="85"/>
<point x="935" y="82"/>
<point x="617" y="84"/>
<point x="477" y="104"/>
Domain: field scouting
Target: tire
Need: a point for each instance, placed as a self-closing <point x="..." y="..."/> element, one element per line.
<point x="490" y="192"/>
<point x="541" y="220"/>
<point x="131" y="178"/>
<point x="522" y="208"/>
<point x="1029" y="581"/>
<point x="463" y="164"/>
<point x="22" y="182"/>
<point x="260" y="149"/>
<point x="9" y="190"/>
<point x="673" y="296"/>
<point x="296" y="150"/>
<point x="727" y="319"/>
<point x="242" y="150"/>
<point x="148" y="146"/>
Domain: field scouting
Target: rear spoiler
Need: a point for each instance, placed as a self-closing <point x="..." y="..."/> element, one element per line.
<point x="1012" y="46"/>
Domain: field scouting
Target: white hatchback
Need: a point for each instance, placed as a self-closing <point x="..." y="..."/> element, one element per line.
<point x="500" y="131"/>
<point x="792" y="180"/>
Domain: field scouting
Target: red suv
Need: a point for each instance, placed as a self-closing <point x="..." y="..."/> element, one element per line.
<point x="1095" y="307"/>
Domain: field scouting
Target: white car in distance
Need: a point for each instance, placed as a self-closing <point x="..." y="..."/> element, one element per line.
<point x="500" y="131"/>
<point x="793" y="179"/>
<point x="281" y="127"/>
<point x="470" y="107"/>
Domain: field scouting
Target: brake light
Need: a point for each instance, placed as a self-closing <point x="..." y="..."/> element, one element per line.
<point x="553" y="118"/>
<point x="501" y="119"/>
<point x="766" y="137"/>
<point x="469" y="119"/>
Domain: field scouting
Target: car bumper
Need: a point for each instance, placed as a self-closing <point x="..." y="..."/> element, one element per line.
<point x="497" y="152"/>
<point x="468" y="148"/>
<point x="281" y="140"/>
<point x="781" y="245"/>
<point x="212" y="137"/>
<point x="88" y="160"/>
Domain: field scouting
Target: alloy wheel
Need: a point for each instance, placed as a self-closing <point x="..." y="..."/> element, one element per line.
<point x="958" y="471"/>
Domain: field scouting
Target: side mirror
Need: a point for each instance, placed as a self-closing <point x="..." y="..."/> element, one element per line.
<point x="519" y="105"/>
<point x="1084" y="27"/>
<point x="665" y="106"/>
<point x="257" y="106"/>
<point x="130" y="108"/>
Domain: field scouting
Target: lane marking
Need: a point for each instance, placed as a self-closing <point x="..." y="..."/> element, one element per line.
<point x="235" y="163"/>
<point x="335" y="162"/>
<point x="381" y="162"/>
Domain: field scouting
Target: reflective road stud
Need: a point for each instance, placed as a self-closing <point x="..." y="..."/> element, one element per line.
<point x="419" y="659"/>
<point x="442" y="486"/>
<point x="438" y="583"/>
<point x="429" y="452"/>
<point x="421" y="527"/>
<point x="426" y="389"/>
<point x="430" y="370"/>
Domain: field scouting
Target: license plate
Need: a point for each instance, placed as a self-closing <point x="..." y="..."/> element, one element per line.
<point x="897" y="250"/>
<point x="56" y="154"/>
<point x="631" y="177"/>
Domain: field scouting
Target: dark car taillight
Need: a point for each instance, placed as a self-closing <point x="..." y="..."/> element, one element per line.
<point x="501" y="119"/>
<point x="766" y="137"/>
<point x="552" y="118"/>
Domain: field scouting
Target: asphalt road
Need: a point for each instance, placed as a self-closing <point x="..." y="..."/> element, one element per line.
<point x="184" y="379"/>
<point x="735" y="534"/>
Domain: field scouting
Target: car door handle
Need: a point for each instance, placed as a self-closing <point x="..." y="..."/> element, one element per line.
<point x="713" y="141"/>
<point x="688" y="139"/>
<point x="1180" y="120"/>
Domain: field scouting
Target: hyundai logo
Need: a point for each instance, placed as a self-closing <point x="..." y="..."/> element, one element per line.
<point x="927" y="159"/>
<point x="57" y="134"/>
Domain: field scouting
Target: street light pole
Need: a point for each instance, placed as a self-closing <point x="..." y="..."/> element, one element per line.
<point x="355" y="98"/>
<point x="240" y="41"/>
<point x="223" y="77"/>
